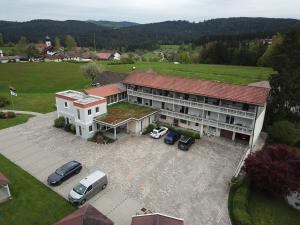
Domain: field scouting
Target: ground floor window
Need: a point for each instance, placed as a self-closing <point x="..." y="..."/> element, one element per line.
<point x="197" y="124"/>
<point x="183" y="121"/>
<point x="80" y="130"/>
<point x="91" y="128"/>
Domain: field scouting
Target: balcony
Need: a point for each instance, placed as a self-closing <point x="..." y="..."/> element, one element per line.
<point x="207" y="122"/>
<point x="197" y="105"/>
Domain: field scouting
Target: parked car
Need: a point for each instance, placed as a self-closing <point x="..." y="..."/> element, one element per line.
<point x="171" y="138"/>
<point x="185" y="143"/>
<point x="64" y="172"/>
<point x="88" y="187"/>
<point x="159" y="132"/>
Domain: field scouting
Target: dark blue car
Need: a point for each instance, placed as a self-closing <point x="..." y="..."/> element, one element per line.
<point x="171" y="138"/>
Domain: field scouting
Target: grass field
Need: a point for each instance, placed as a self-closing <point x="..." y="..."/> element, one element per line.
<point x="33" y="203"/>
<point x="36" y="83"/>
<point x="19" y="119"/>
<point x="269" y="211"/>
<point x="224" y="73"/>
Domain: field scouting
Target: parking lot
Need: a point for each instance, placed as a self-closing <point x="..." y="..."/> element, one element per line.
<point x="142" y="172"/>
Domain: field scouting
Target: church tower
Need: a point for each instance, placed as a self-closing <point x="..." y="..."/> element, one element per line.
<point x="48" y="41"/>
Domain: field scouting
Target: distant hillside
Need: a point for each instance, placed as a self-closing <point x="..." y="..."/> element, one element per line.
<point x="112" y="24"/>
<point x="146" y="35"/>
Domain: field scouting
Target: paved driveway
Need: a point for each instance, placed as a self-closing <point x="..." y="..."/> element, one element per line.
<point x="143" y="173"/>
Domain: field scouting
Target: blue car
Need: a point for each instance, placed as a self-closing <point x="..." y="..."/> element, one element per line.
<point x="171" y="138"/>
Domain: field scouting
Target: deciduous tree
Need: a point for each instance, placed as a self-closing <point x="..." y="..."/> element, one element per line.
<point x="70" y="42"/>
<point x="91" y="70"/>
<point x="274" y="170"/>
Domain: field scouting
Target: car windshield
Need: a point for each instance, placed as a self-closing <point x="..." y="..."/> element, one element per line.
<point x="60" y="172"/>
<point x="79" y="189"/>
<point x="154" y="132"/>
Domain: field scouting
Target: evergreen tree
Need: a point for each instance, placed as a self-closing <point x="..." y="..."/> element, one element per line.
<point x="284" y="102"/>
<point x="1" y="40"/>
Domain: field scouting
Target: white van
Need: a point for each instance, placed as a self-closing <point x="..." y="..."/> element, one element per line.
<point x="88" y="187"/>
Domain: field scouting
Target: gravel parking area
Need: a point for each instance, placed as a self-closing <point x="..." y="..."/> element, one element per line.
<point x="143" y="172"/>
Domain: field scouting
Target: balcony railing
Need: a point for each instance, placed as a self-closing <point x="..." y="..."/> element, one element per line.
<point x="208" y="122"/>
<point x="197" y="105"/>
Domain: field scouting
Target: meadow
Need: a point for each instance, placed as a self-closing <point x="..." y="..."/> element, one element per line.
<point x="36" y="83"/>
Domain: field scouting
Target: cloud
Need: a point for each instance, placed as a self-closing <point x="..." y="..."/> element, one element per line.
<point x="144" y="11"/>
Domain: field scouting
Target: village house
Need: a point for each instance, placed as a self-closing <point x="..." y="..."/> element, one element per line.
<point x="211" y="108"/>
<point x="108" y="55"/>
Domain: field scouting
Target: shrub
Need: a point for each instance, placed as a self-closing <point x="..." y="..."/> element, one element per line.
<point x="238" y="201"/>
<point x="68" y="127"/>
<point x="59" y="122"/>
<point x="283" y="132"/>
<point x="100" y="138"/>
<point x="10" y="115"/>
<point x="185" y="132"/>
<point x="2" y="115"/>
<point x="73" y="128"/>
<point x="3" y="101"/>
<point x="274" y="170"/>
<point x="149" y="128"/>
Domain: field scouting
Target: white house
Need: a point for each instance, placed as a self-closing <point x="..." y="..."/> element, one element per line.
<point x="80" y="109"/>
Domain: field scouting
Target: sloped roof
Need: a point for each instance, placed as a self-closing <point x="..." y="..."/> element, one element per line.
<point x="106" y="90"/>
<point x="264" y="84"/>
<point x="214" y="89"/>
<point x="104" y="54"/>
<point x="3" y="179"/>
<point x="155" y="219"/>
<point x="86" y="215"/>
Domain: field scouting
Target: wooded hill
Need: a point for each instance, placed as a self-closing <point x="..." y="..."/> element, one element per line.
<point x="147" y="36"/>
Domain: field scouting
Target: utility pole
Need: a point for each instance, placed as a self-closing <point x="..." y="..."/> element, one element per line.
<point x="95" y="42"/>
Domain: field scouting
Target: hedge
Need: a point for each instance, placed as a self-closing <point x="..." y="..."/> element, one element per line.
<point x="149" y="128"/>
<point x="238" y="202"/>
<point x="185" y="132"/>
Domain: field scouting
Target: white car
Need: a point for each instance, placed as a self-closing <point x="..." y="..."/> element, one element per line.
<point x="159" y="132"/>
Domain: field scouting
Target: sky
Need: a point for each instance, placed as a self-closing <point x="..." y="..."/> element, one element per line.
<point x="146" y="11"/>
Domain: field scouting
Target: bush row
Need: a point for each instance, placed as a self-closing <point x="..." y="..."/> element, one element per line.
<point x="238" y="202"/>
<point x="100" y="138"/>
<point x="7" y="115"/>
<point x="149" y="128"/>
<point x="185" y="132"/>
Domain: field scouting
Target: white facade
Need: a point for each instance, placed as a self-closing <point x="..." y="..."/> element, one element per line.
<point x="117" y="56"/>
<point x="205" y="115"/>
<point x="80" y="109"/>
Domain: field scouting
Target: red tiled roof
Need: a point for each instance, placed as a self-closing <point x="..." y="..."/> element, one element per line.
<point x="86" y="215"/>
<point x="104" y="55"/>
<point x="106" y="90"/>
<point x="155" y="219"/>
<point x="3" y="179"/>
<point x="214" y="89"/>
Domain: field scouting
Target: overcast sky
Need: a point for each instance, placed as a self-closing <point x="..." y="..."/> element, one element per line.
<point x="145" y="11"/>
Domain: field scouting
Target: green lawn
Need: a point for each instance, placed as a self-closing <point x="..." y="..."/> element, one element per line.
<point x="19" y="119"/>
<point x="33" y="203"/>
<point x="224" y="73"/>
<point x="269" y="211"/>
<point x="36" y="83"/>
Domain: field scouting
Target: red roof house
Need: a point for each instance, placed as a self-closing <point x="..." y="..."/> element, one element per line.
<point x="156" y="219"/>
<point x="232" y="92"/>
<point x="86" y="215"/>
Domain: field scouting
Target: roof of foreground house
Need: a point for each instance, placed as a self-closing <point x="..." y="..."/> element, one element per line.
<point x="3" y="179"/>
<point x="86" y="215"/>
<point x="232" y="92"/>
<point x="155" y="219"/>
<point x="104" y="54"/>
<point x="106" y="90"/>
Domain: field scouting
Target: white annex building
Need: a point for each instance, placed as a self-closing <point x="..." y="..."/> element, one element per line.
<point x="208" y="107"/>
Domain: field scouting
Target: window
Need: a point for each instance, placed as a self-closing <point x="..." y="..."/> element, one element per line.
<point x="90" y="128"/>
<point x="183" y="121"/>
<point x="208" y="113"/>
<point x="67" y="120"/>
<point x="197" y="124"/>
<point x="89" y="112"/>
<point x="163" y="117"/>
<point x="97" y="109"/>
<point x="78" y="114"/>
<point x="66" y="104"/>
<point x="89" y="189"/>
<point x="98" y="126"/>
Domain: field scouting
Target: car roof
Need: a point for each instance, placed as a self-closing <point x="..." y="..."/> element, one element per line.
<point x="184" y="139"/>
<point x="69" y="165"/>
<point x="92" y="178"/>
<point x="171" y="133"/>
